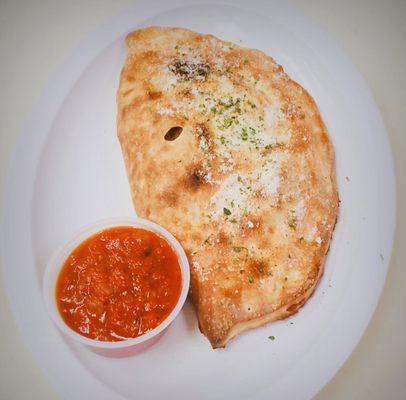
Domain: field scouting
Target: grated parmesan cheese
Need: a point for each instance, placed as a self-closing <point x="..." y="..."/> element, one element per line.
<point x="163" y="80"/>
<point x="208" y="178"/>
<point x="224" y="168"/>
<point x="203" y="143"/>
<point x="232" y="195"/>
<point x="166" y="111"/>
<point x="268" y="179"/>
<point x="300" y="210"/>
<point x="272" y="115"/>
<point x="236" y="191"/>
<point x="226" y="85"/>
<point x="311" y="234"/>
<point x="201" y="273"/>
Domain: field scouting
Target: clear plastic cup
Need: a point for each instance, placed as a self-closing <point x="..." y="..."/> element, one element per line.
<point x="129" y="346"/>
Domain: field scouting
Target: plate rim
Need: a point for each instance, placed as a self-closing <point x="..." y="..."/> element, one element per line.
<point x="18" y="191"/>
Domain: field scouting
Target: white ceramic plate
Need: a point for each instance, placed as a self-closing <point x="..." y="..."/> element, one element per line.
<point x="68" y="171"/>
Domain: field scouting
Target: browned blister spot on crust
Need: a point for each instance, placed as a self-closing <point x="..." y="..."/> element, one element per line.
<point x="313" y="178"/>
<point x="154" y="95"/>
<point x="314" y="272"/>
<point x="222" y="239"/>
<point x="257" y="268"/>
<point x="299" y="144"/>
<point x="186" y="94"/>
<point x="256" y="226"/>
<point x="294" y="308"/>
<point x="148" y="57"/>
<point x="234" y="293"/>
<point x="170" y="198"/>
<point x="194" y="179"/>
<point x="294" y="112"/>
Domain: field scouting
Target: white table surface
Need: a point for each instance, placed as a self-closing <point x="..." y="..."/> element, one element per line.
<point x="37" y="35"/>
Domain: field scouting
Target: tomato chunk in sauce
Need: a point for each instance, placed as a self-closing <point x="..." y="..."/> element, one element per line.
<point x="119" y="284"/>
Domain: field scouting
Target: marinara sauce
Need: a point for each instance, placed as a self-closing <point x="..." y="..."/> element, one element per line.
<point x="119" y="284"/>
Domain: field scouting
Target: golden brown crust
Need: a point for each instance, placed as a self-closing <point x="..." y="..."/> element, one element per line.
<point x="246" y="183"/>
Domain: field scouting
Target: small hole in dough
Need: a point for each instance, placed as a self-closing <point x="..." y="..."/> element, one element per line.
<point x="173" y="133"/>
